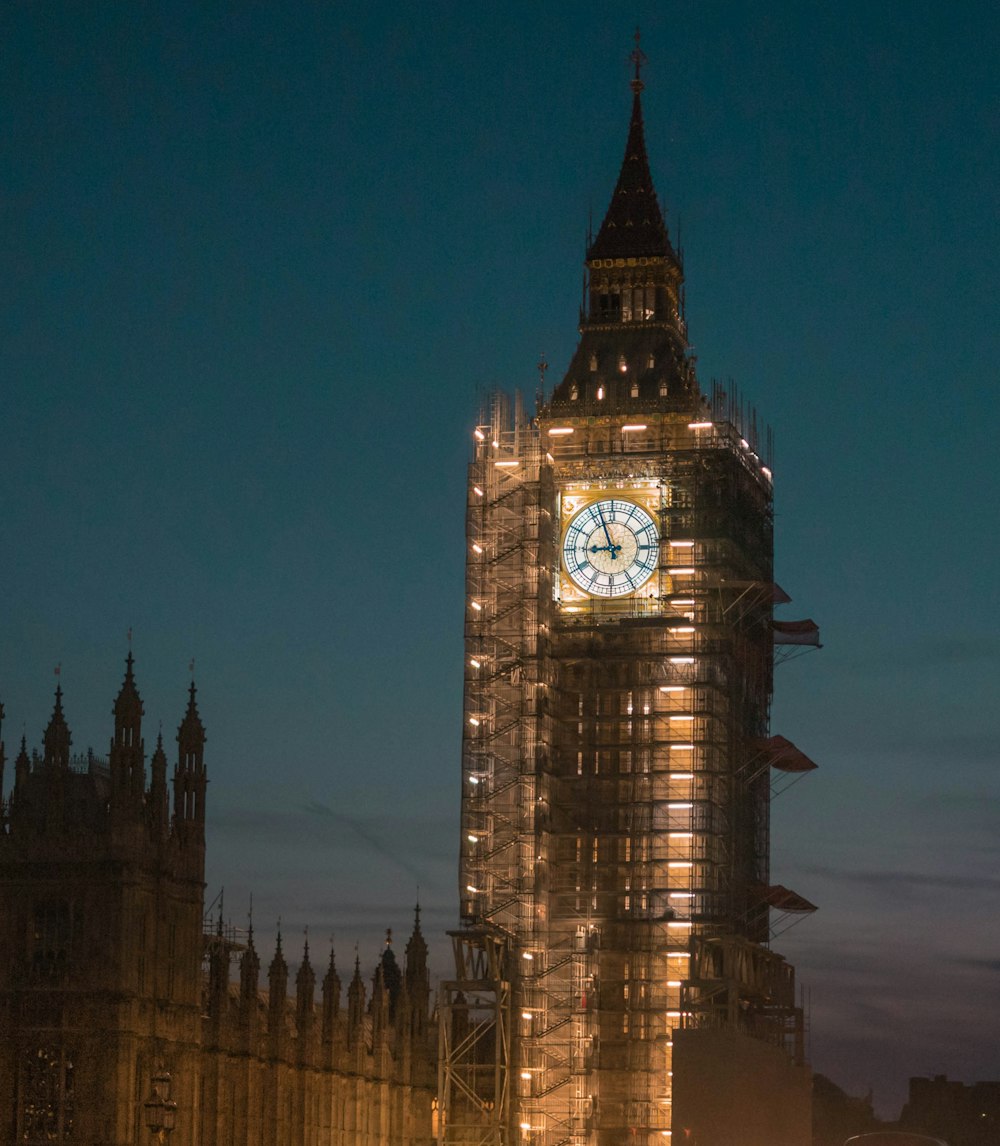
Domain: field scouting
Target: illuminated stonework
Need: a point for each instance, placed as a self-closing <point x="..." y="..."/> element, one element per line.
<point x="616" y="755"/>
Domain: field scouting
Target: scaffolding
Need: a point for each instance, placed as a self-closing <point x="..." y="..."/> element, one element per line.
<point x="615" y="811"/>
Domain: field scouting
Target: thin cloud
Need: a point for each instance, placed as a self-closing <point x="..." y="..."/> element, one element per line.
<point x="908" y="880"/>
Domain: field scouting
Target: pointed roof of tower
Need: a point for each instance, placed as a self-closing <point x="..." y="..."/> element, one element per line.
<point x="388" y="970"/>
<point x="128" y="703"/>
<point x="278" y="959"/>
<point x="416" y="945"/>
<point x="56" y="737"/>
<point x="331" y="977"/>
<point x="633" y="225"/>
<point x="191" y="731"/>
<point x="305" y="977"/>
<point x="159" y="757"/>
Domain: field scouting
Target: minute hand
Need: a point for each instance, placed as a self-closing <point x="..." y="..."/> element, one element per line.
<point x="607" y="532"/>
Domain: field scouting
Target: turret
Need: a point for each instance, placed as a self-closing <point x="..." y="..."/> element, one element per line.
<point x="305" y="991"/>
<point x="57" y="739"/>
<point x="159" y="800"/>
<point x="356" y="1009"/>
<point x="331" y="1002"/>
<point x="218" y="982"/>
<point x="125" y="758"/>
<point x="189" y="775"/>
<point x="249" y="977"/>
<point x="277" y="982"/>
<point x="417" y="981"/>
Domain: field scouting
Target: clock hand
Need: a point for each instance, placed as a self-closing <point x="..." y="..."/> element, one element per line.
<point x="600" y="518"/>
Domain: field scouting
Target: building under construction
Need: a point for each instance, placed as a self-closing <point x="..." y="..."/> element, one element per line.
<point x="614" y="982"/>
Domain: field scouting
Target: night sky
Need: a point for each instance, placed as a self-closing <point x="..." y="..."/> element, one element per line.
<point x="261" y="261"/>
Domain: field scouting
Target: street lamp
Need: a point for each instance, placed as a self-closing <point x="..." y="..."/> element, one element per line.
<point x="161" y="1110"/>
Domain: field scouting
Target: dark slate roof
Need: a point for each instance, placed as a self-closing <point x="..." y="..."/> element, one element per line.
<point x="633" y="225"/>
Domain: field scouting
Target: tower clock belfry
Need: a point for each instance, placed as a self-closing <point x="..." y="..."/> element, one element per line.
<point x="614" y="981"/>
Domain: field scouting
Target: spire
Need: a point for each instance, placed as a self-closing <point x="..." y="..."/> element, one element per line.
<point x="633" y="352"/>
<point x="417" y="980"/>
<point x="305" y="980"/>
<point x="277" y="980"/>
<point x="331" y="997"/>
<point x="159" y="804"/>
<point x="128" y="704"/>
<point x="305" y="992"/>
<point x="189" y="775"/>
<point x="22" y="766"/>
<point x="389" y="974"/>
<point x="633" y="226"/>
<point x="191" y="733"/>
<point x="355" y="1006"/>
<point x="56" y="737"/>
<point x="249" y="974"/>
<point x="128" y="777"/>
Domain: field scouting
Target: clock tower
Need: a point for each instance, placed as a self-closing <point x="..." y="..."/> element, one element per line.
<point x="614" y="982"/>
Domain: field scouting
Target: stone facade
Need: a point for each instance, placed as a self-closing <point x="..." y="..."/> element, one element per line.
<point x="107" y="977"/>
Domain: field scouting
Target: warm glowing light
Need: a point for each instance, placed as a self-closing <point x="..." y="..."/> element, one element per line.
<point x="673" y="600"/>
<point x="682" y="660"/>
<point x="699" y="425"/>
<point x="633" y="429"/>
<point x="572" y="609"/>
<point x="678" y="805"/>
<point x="682" y="747"/>
<point x="475" y="664"/>
<point x="506" y="465"/>
<point x="682" y="544"/>
<point x="681" y="835"/>
<point x="526" y="1015"/>
<point x="560" y="431"/>
<point x="680" y="628"/>
<point x="478" y="491"/>
<point x="471" y="889"/>
<point x="472" y="839"/>
<point x="682" y="895"/>
<point x="681" y="571"/>
<point x="476" y="605"/>
<point x="473" y="779"/>
<point x="600" y="393"/>
<point x="679" y="863"/>
<point x="680" y="924"/>
<point x="675" y="982"/>
<point x="526" y="1075"/>
<point x="474" y="721"/>
<point x="480" y="435"/>
<point x="678" y="954"/>
<point x="525" y="1125"/>
<point x="673" y="688"/>
<point x="496" y="444"/>
<point x="478" y="549"/>
<point x="526" y="955"/>
<point x="681" y="716"/>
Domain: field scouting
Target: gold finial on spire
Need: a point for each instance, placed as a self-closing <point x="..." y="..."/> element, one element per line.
<point x="638" y="57"/>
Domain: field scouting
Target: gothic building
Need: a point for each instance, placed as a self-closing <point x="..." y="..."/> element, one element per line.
<point x="110" y="985"/>
<point x="614" y="981"/>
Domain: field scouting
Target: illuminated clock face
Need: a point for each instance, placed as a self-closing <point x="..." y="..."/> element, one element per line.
<point x="611" y="548"/>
